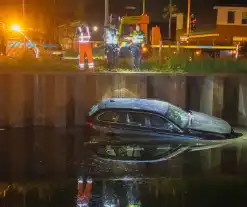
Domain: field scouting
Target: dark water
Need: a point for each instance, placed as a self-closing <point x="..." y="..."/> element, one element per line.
<point x="40" y="167"/>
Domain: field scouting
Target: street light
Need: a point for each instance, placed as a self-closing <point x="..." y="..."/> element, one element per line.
<point x="16" y="27"/>
<point x="95" y="28"/>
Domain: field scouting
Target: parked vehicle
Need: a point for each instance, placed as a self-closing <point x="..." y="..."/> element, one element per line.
<point x="54" y="49"/>
<point x="119" y="128"/>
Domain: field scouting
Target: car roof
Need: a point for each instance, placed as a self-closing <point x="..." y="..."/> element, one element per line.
<point x="150" y="105"/>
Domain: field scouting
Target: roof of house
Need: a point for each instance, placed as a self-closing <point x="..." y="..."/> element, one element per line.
<point x="232" y="3"/>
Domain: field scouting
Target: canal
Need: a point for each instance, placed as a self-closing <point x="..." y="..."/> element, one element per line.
<point x="40" y="167"/>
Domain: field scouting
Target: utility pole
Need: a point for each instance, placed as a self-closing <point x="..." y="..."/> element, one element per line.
<point x="170" y="19"/>
<point x="143" y="6"/>
<point x="188" y="18"/>
<point x="24" y="23"/>
<point x="106" y="21"/>
<point x="23" y="8"/>
<point x="54" y="20"/>
<point x="106" y="12"/>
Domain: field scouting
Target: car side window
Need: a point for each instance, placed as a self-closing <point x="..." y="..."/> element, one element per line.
<point x="137" y="119"/>
<point x="113" y="116"/>
<point x="107" y="116"/>
<point x="120" y="117"/>
<point x="159" y="123"/>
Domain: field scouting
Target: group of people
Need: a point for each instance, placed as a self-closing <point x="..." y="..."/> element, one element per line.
<point x="112" y="46"/>
<point x="137" y="38"/>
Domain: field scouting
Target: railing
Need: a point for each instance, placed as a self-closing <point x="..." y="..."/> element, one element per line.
<point x="230" y="47"/>
<point x="197" y="47"/>
<point x="15" y="48"/>
<point x="18" y="44"/>
<point x="30" y="45"/>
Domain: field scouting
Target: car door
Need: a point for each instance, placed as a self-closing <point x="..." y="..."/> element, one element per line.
<point x="132" y="138"/>
<point x="123" y="126"/>
<point x="145" y="128"/>
<point x="113" y="141"/>
<point x="164" y="131"/>
<point x="109" y="125"/>
<point x="132" y="141"/>
<point x="136" y="129"/>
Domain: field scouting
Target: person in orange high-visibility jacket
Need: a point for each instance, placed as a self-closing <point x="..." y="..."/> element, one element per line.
<point x="84" y="196"/>
<point x="85" y="47"/>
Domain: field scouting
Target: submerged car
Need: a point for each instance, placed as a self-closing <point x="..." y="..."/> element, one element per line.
<point x="117" y="127"/>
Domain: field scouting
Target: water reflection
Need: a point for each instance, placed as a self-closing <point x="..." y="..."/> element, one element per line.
<point x="42" y="166"/>
<point x="137" y="153"/>
<point x="128" y="196"/>
<point x="84" y="193"/>
<point x="150" y="192"/>
<point x="39" y="153"/>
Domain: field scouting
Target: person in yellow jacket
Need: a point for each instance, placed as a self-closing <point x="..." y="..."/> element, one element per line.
<point x="133" y="195"/>
<point x="138" y="204"/>
<point x="112" y="46"/>
<point x="138" y="39"/>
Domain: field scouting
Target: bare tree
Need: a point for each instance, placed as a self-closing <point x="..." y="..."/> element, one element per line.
<point x="67" y="33"/>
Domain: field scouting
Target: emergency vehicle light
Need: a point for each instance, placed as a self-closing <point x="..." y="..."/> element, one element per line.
<point x="16" y="27"/>
<point x="95" y="28"/>
<point x="144" y="49"/>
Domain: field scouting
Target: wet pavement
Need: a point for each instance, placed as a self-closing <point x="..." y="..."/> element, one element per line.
<point x="40" y="167"/>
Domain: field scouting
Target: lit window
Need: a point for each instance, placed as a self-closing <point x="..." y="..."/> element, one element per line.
<point x="231" y="17"/>
<point x="244" y="18"/>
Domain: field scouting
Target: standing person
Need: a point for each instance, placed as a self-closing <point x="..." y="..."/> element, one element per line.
<point x="85" y="47"/>
<point x="138" y="38"/>
<point x="133" y="195"/>
<point x="84" y="196"/>
<point x="112" y="201"/>
<point x="110" y="198"/>
<point x="112" y="45"/>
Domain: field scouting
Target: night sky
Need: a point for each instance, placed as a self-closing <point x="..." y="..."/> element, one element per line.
<point x="93" y="10"/>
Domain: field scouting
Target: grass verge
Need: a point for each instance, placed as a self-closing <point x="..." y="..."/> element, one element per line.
<point x="172" y="65"/>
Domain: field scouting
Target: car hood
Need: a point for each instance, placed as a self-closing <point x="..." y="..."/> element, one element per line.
<point x="207" y="123"/>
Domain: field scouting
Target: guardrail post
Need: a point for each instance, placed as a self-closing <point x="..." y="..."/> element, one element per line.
<point x="160" y="52"/>
<point x="178" y="46"/>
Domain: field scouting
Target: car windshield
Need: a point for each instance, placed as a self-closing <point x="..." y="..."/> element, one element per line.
<point x="127" y="29"/>
<point x="177" y="115"/>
